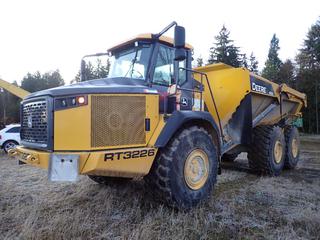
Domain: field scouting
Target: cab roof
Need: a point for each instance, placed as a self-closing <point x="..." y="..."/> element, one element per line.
<point x="147" y="36"/>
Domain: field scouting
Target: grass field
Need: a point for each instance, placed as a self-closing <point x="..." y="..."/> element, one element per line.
<point x="242" y="205"/>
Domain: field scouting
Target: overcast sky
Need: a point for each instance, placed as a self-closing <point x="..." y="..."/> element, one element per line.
<point x="47" y="35"/>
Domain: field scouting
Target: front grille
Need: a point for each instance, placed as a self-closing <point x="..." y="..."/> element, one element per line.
<point x="117" y="120"/>
<point x="34" y="122"/>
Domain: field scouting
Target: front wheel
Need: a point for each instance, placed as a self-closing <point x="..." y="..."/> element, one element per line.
<point x="9" y="145"/>
<point x="185" y="171"/>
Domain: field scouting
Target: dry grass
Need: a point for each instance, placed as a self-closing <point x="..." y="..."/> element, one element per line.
<point x="242" y="206"/>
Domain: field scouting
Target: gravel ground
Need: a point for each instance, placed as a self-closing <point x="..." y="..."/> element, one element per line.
<point x="242" y="206"/>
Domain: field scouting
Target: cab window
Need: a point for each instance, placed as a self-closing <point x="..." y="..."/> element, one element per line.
<point x="164" y="68"/>
<point x="163" y="72"/>
<point x="182" y="72"/>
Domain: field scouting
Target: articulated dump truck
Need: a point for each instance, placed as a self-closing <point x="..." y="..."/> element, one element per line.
<point x="155" y="117"/>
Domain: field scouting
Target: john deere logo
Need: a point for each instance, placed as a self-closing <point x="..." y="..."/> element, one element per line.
<point x="184" y="101"/>
<point x="29" y="121"/>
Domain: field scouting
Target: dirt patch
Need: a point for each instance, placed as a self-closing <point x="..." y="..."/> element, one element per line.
<point x="243" y="205"/>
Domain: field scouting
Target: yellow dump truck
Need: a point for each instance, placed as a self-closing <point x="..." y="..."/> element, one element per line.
<point x="156" y="117"/>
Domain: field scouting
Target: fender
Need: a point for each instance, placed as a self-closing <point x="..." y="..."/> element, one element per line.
<point x="178" y="119"/>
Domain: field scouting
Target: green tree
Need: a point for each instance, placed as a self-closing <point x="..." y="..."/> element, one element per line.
<point x="53" y="79"/>
<point x="244" y="61"/>
<point x="224" y="50"/>
<point x="37" y="81"/>
<point x="253" y="64"/>
<point x="273" y="63"/>
<point x="287" y="73"/>
<point x="94" y="71"/>
<point x="199" y="61"/>
<point x="308" y="61"/>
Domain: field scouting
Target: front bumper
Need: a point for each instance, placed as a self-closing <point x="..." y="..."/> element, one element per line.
<point x="134" y="162"/>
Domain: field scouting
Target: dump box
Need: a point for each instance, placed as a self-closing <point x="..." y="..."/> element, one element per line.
<point x="241" y="101"/>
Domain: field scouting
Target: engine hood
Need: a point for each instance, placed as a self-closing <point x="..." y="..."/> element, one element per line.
<point x="104" y="85"/>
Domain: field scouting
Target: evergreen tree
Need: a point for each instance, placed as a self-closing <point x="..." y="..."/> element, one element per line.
<point x="224" y="50"/>
<point x="287" y="73"/>
<point x="273" y="63"/>
<point x="308" y="61"/>
<point x="253" y="64"/>
<point x="199" y="62"/>
<point x="94" y="71"/>
<point x="37" y="81"/>
<point x="244" y="61"/>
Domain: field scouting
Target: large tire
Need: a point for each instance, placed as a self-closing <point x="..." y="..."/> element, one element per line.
<point x="292" y="147"/>
<point x="185" y="171"/>
<point x="266" y="155"/>
<point x="10" y="144"/>
<point x="229" y="157"/>
<point x="109" y="180"/>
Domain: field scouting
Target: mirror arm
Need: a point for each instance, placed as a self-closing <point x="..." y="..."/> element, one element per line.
<point x="174" y="23"/>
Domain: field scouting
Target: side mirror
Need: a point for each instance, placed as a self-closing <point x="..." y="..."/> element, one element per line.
<point x="179" y="43"/>
<point x="83" y="71"/>
<point x="179" y="37"/>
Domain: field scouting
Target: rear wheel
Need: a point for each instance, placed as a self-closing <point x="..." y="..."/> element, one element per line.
<point x="185" y="171"/>
<point x="266" y="155"/>
<point x="109" y="180"/>
<point x="292" y="147"/>
<point x="9" y="145"/>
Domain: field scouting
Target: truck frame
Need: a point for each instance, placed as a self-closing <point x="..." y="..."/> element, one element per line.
<point x="155" y="117"/>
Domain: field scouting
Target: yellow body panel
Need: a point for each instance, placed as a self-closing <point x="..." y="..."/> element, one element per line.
<point x="157" y="131"/>
<point x="72" y="126"/>
<point x="152" y="112"/>
<point x="72" y="135"/>
<point x="133" y="162"/>
<point x="123" y="163"/>
<point x="162" y="38"/>
<point x="228" y="85"/>
<point x="41" y="159"/>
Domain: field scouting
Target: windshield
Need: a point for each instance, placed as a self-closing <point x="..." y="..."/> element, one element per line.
<point x="131" y="63"/>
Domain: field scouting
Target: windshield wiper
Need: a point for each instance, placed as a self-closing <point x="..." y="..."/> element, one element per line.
<point x="132" y="64"/>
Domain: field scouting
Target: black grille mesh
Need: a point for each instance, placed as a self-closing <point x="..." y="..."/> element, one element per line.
<point x="34" y="127"/>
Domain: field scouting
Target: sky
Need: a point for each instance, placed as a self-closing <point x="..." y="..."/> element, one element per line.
<point x="46" y="35"/>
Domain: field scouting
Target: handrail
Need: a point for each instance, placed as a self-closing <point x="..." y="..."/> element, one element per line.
<point x="201" y="91"/>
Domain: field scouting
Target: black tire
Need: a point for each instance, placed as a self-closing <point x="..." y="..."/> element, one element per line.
<point x="229" y="157"/>
<point x="261" y="155"/>
<point x="167" y="176"/>
<point x="109" y="180"/>
<point x="9" y="145"/>
<point x="292" y="141"/>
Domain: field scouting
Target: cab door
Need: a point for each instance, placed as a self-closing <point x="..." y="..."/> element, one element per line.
<point x="164" y="76"/>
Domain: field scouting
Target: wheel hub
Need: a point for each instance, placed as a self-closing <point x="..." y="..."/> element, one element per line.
<point x="196" y="169"/>
<point x="278" y="152"/>
<point x="294" y="147"/>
